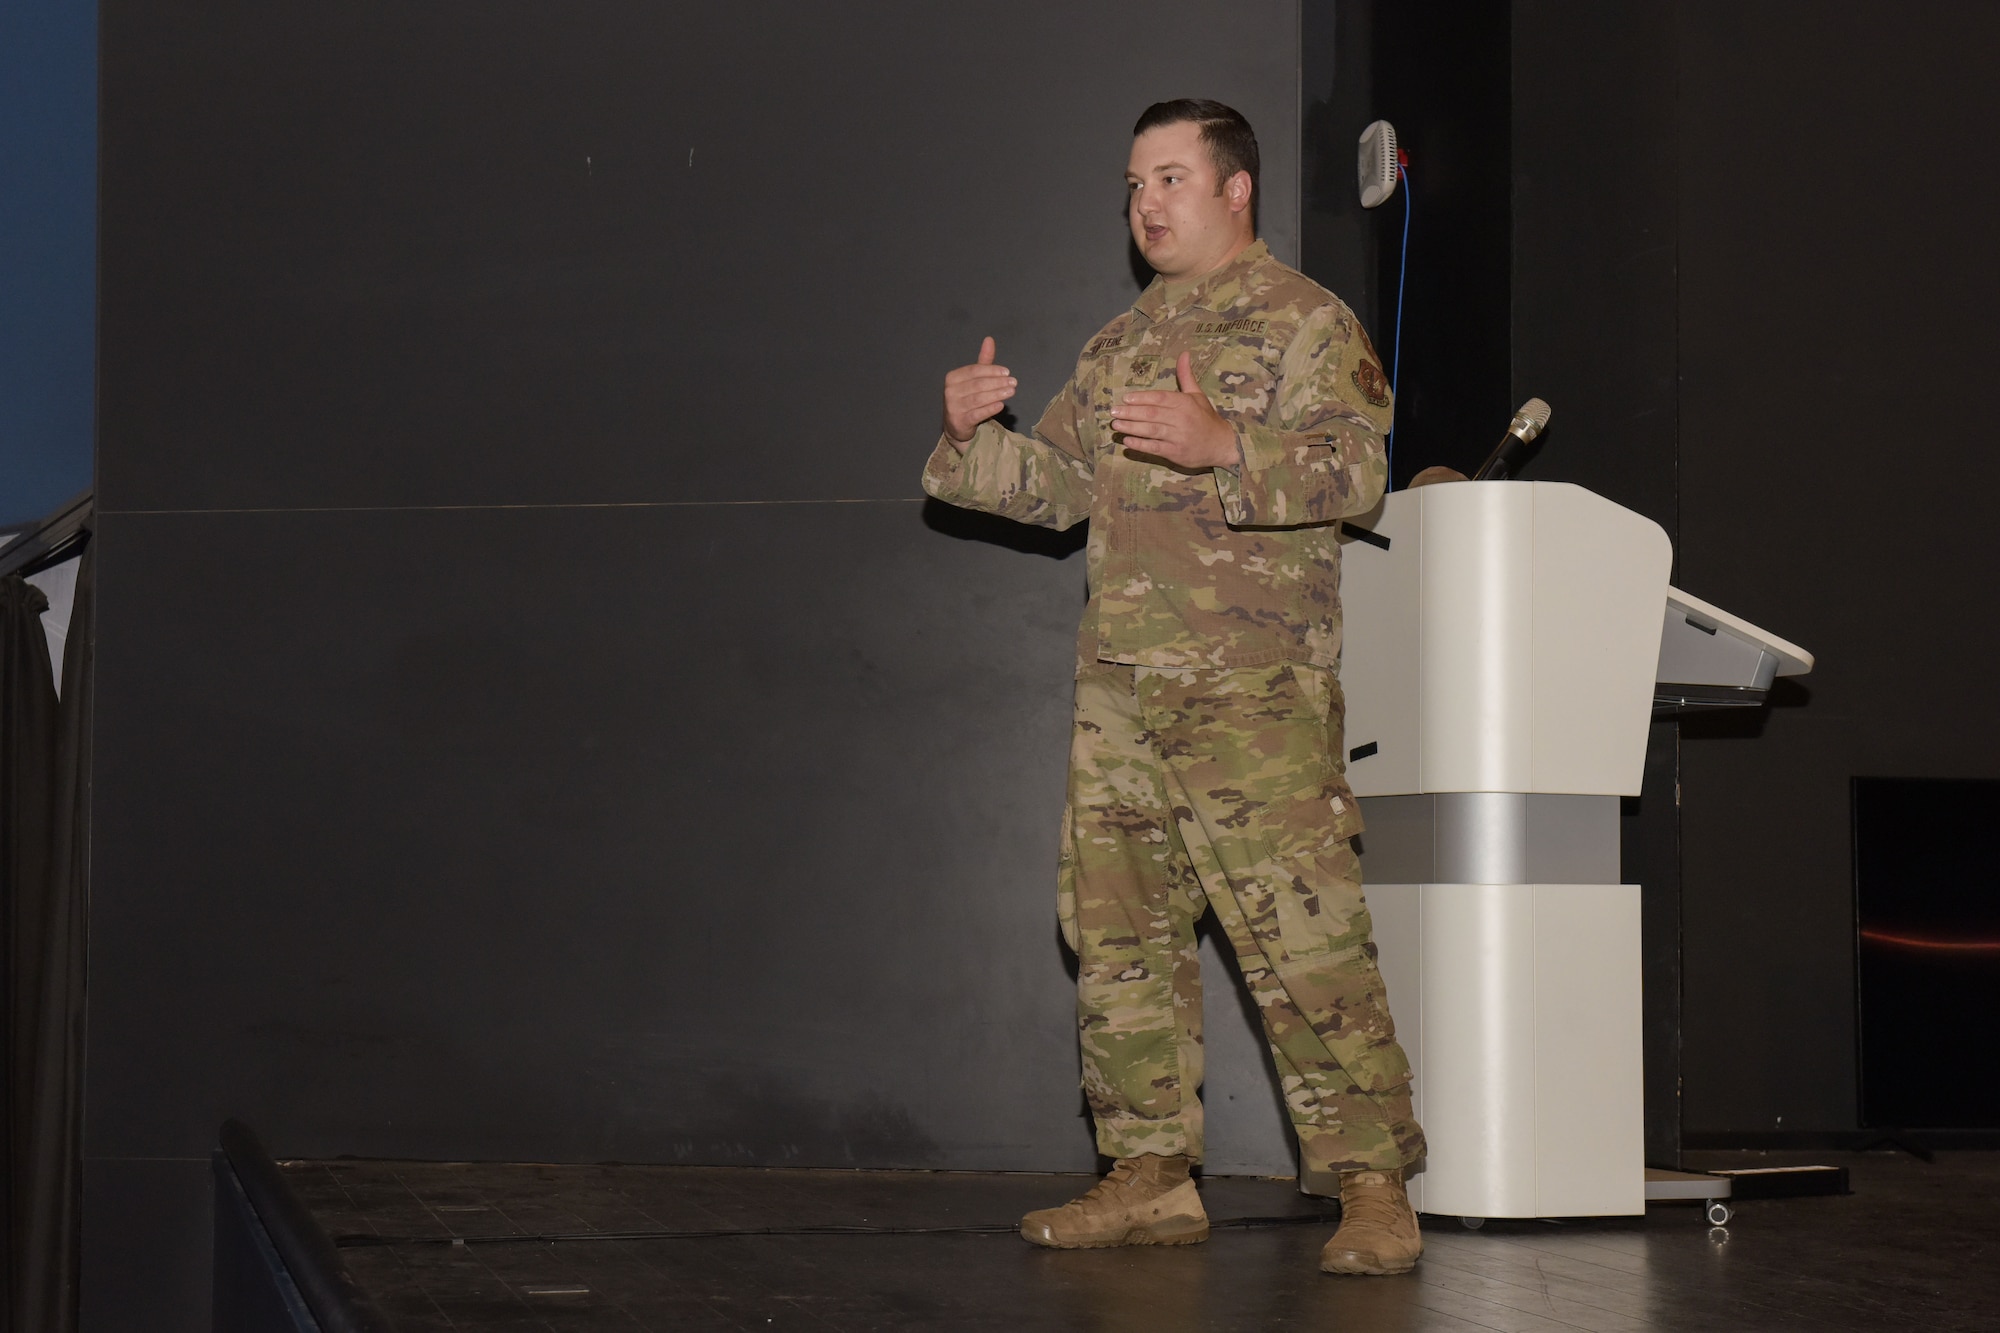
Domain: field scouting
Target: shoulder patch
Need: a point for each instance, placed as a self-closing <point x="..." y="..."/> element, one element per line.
<point x="1360" y="335"/>
<point x="1370" y="380"/>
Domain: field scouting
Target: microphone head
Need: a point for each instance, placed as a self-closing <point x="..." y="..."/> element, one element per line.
<point x="1532" y="418"/>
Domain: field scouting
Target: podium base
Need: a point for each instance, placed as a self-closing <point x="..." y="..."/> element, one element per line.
<point x="1519" y="1007"/>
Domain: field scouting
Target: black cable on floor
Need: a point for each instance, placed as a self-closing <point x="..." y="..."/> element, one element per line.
<point x="360" y="1241"/>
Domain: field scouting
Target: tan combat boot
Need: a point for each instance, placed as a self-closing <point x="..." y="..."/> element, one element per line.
<point x="1144" y="1201"/>
<point x="1378" y="1228"/>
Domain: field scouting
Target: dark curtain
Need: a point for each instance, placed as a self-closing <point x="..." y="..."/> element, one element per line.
<point x="44" y="842"/>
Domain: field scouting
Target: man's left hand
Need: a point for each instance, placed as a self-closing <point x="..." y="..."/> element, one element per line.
<point x="1182" y="427"/>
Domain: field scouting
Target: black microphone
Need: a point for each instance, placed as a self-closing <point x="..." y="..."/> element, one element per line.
<point x="1529" y="422"/>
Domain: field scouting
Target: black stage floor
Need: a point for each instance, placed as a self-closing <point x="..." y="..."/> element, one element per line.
<point x="1915" y="1246"/>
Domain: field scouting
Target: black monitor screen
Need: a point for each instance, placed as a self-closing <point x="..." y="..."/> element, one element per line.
<point x="1927" y="904"/>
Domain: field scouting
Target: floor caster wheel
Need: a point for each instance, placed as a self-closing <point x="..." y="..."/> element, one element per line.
<point x="1718" y="1213"/>
<point x="1472" y="1223"/>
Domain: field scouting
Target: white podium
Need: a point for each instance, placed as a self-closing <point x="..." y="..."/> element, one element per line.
<point x="1504" y="646"/>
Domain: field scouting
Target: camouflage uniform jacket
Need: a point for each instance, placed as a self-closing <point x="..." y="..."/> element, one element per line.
<point x="1228" y="567"/>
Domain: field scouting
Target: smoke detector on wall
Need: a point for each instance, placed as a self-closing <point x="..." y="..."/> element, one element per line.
<point x="1375" y="168"/>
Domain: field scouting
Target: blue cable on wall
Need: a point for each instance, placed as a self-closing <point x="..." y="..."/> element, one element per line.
<point x="1396" y="364"/>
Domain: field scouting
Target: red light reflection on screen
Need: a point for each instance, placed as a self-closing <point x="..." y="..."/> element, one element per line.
<point x="1912" y="942"/>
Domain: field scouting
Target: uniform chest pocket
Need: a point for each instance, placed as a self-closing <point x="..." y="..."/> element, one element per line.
<point x="1240" y="379"/>
<point x="1119" y="373"/>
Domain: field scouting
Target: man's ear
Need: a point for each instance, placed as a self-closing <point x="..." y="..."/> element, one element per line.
<point x="1237" y="188"/>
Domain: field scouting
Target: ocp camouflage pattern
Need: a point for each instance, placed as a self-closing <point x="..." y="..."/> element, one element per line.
<point x="1223" y="789"/>
<point x="1225" y="567"/>
<point x="1205" y="769"/>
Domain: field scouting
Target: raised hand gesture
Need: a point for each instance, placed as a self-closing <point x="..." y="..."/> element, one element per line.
<point x="1182" y="427"/>
<point x="973" y="393"/>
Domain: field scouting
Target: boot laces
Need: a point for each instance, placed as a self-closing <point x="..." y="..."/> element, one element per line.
<point x="1370" y="1204"/>
<point x="1126" y="1175"/>
<point x="1123" y="1172"/>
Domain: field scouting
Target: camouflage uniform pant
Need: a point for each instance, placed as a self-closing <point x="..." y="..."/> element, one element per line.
<point x="1223" y="789"/>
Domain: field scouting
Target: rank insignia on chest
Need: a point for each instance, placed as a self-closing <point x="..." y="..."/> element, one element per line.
<point x="1144" y="370"/>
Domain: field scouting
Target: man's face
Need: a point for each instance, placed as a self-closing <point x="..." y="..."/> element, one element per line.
<point x="1181" y="225"/>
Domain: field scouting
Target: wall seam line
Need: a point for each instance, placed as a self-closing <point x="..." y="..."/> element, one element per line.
<point x="455" y="508"/>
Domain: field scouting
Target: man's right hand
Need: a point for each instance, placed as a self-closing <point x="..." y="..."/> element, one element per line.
<point x="973" y="393"/>
<point x="1431" y="476"/>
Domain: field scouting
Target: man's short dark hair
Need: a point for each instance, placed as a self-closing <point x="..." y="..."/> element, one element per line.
<point x="1231" y="143"/>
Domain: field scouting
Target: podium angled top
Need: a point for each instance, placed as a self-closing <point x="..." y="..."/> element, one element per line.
<point x="1501" y="636"/>
<point x="1710" y="658"/>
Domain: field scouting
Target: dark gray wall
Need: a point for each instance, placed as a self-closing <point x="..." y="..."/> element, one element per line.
<point x="1838" y="190"/>
<point x="1437" y="70"/>
<point x="1441" y="76"/>
<point x="538" y="716"/>
<point x="1749" y="273"/>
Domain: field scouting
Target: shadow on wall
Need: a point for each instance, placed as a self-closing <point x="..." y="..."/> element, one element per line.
<point x="754" y="1118"/>
<point x="1725" y="724"/>
<point x="968" y="526"/>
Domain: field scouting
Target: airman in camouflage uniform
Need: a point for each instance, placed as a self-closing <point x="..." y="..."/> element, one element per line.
<point x="1206" y="769"/>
